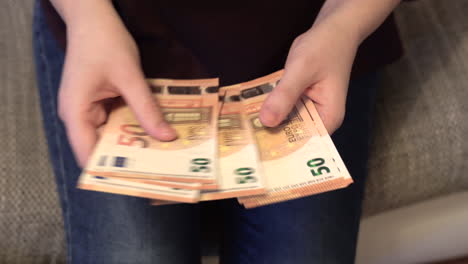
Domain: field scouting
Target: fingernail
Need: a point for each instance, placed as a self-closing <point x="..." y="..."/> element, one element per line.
<point x="166" y="132"/>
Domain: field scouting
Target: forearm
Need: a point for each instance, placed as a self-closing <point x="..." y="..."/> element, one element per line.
<point x="356" y="18"/>
<point x="81" y="12"/>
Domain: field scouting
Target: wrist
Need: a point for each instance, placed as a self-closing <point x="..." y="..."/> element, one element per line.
<point x="338" y="29"/>
<point x="78" y="14"/>
<point x="95" y="23"/>
<point x="355" y="18"/>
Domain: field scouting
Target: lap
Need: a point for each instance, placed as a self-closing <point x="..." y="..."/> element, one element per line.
<point x="105" y="228"/>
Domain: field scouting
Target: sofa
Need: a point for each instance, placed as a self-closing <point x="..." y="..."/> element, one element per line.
<point x="415" y="208"/>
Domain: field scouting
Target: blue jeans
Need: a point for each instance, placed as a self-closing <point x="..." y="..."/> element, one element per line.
<point x="105" y="228"/>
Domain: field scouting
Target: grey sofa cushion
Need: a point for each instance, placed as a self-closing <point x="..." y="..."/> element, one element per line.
<point x="30" y="221"/>
<point x="421" y="122"/>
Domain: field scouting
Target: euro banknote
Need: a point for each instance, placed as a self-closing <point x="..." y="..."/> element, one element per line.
<point x="240" y="173"/>
<point x="296" y="156"/>
<point x="136" y="189"/>
<point x="191" y="107"/>
<point x="223" y="150"/>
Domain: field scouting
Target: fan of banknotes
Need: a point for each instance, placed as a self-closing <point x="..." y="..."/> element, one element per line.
<point x="222" y="150"/>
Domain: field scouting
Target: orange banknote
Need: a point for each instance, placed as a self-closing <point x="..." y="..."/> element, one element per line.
<point x="191" y="107"/>
<point x="296" y="155"/>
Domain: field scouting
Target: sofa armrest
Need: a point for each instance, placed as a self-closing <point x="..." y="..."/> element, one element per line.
<point x="429" y="231"/>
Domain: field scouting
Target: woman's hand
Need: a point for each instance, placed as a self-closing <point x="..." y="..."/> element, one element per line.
<point x="320" y="60"/>
<point x="318" y="66"/>
<point x="102" y="63"/>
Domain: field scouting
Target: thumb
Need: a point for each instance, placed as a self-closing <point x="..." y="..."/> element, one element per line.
<point x="143" y="104"/>
<point x="284" y="96"/>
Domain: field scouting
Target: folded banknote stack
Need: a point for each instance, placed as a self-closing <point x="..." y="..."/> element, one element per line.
<point x="222" y="150"/>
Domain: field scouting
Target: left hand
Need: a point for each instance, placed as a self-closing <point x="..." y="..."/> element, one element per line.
<point x="318" y="66"/>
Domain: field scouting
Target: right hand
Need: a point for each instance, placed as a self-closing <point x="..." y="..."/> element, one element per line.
<point x="102" y="63"/>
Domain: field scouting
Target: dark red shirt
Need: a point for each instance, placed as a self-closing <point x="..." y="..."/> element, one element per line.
<point x="234" y="40"/>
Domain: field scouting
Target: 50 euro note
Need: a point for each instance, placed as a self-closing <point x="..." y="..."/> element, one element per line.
<point x="240" y="172"/>
<point x="125" y="150"/>
<point x="136" y="189"/>
<point x="296" y="155"/>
